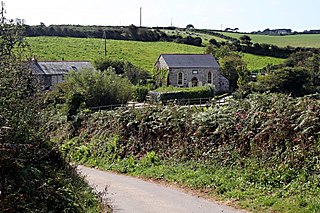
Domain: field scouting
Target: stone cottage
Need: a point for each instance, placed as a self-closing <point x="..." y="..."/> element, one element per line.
<point x="52" y="72"/>
<point x="190" y="70"/>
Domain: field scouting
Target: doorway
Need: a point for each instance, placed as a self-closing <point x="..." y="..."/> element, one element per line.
<point x="194" y="82"/>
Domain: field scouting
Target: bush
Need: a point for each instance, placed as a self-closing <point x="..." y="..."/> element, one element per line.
<point x="266" y="146"/>
<point x="33" y="175"/>
<point x="287" y="80"/>
<point x="140" y="93"/>
<point x="165" y="94"/>
<point x="133" y="73"/>
<point x="96" y="88"/>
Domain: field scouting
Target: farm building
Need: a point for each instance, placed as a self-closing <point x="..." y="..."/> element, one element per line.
<point x="190" y="70"/>
<point x="52" y="72"/>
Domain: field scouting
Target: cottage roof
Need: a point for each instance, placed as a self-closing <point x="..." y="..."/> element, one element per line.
<point x="190" y="60"/>
<point x="58" y="67"/>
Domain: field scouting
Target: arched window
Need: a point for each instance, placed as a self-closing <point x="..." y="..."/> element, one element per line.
<point x="209" y="78"/>
<point x="180" y="78"/>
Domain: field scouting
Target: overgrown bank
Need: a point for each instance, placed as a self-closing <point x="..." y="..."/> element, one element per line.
<point x="34" y="177"/>
<point x="262" y="152"/>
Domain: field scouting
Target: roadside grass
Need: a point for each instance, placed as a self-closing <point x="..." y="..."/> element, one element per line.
<point x="306" y="40"/>
<point x="239" y="187"/>
<point x="141" y="54"/>
<point x="260" y="153"/>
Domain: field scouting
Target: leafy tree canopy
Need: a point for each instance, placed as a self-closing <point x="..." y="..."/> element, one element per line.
<point x="133" y="73"/>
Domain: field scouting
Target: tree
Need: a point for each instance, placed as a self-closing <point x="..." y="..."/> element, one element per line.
<point x="95" y="88"/>
<point x="33" y="175"/>
<point x="190" y="26"/>
<point x="223" y="51"/>
<point x="160" y="77"/>
<point x="16" y="84"/>
<point x="298" y="58"/>
<point x="210" y="49"/>
<point x="133" y="32"/>
<point x="213" y="42"/>
<point x="288" y="80"/>
<point x="313" y="65"/>
<point x="245" y="39"/>
<point x="126" y="68"/>
<point x="232" y="66"/>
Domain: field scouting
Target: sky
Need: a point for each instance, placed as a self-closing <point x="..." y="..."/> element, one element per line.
<point x="247" y="15"/>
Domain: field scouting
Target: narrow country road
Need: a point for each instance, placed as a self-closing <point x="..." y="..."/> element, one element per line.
<point x="132" y="195"/>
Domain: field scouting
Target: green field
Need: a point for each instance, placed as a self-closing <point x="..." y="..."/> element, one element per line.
<point x="307" y="40"/>
<point x="205" y="37"/>
<point x="255" y="62"/>
<point x="141" y="54"/>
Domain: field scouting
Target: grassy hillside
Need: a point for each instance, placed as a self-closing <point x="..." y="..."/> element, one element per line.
<point x="205" y="37"/>
<point x="255" y="62"/>
<point x="142" y="54"/>
<point x="308" y="40"/>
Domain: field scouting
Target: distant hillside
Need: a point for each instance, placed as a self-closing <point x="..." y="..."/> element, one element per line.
<point x="131" y="32"/>
<point x="141" y="54"/>
<point x="184" y="33"/>
<point x="299" y="40"/>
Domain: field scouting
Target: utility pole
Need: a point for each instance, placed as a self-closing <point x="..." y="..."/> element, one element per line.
<point x="2" y="12"/>
<point x="105" y="43"/>
<point x="140" y="16"/>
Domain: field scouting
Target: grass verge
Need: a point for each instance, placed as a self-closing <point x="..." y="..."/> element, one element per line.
<point x="239" y="187"/>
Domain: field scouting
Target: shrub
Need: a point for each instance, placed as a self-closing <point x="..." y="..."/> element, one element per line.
<point x="96" y="88"/>
<point x="33" y="175"/>
<point x="174" y="93"/>
<point x="140" y="93"/>
<point x="133" y="73"/>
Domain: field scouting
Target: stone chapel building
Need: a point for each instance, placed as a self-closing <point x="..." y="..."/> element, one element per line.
<point x="190" y="70"/>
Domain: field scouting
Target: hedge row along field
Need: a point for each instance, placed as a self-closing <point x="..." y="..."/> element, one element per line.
<point x="141" y="54"/>
<point x="262" y="152"/>
<point x="305" y="40"/>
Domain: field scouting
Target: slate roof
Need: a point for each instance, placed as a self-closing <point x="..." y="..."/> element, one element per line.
<point x="190" y="60"/>
<point x="58" y="67"/>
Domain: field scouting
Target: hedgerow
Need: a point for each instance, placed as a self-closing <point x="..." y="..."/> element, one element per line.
<point x="268" y="144"/>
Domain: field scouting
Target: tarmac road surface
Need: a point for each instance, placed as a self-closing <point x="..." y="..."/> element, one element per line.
<point x="132" y="195"/>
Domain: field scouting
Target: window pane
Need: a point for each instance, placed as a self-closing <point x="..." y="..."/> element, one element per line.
<point x="209" y="78"/>
<point x="180" y="77"/>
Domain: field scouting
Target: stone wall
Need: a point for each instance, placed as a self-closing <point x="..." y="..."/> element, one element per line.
<point x="161" y="64"/>
<point x="220" y="82"/>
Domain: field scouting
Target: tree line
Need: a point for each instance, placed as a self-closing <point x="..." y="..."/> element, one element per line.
<point x="299" y="75"/>
<point x="131" y="32"/>
<point x="245" y="45"/>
